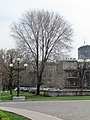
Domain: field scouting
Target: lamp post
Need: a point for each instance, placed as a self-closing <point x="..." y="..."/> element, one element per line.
<point x="18" y="79"/>
<point x="18" y="69"/>
<point x="82" y="68"/>
<point x="10" y="82"/>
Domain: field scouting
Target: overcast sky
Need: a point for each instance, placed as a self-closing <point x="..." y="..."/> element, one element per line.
<point x="77" y="12"/>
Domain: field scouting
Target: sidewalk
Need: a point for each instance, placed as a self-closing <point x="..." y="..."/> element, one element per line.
<point x="30" y="114"/>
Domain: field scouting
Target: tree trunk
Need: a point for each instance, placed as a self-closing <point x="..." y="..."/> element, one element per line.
<point x="38" y="89"/>
<point x="39" y="84"/>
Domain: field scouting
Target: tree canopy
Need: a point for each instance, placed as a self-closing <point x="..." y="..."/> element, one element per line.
<point x="40" y="35"/>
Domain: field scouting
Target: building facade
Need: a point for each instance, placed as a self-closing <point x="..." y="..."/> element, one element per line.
<point x="53" y="74"/>
<point x="69" y="74"/>
<point x="84" y="52"/>
<point x="77" y="74"/>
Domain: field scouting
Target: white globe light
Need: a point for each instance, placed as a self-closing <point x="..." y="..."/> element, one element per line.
<point x="11" y="65"/>
<point x="18" y="59"/>
<point x="25" y="65"/>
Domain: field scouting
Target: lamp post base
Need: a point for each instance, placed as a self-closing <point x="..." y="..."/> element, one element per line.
<point x="19" y="98"/>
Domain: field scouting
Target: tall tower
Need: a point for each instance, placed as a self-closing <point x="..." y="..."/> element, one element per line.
<point x="84" y="52"/>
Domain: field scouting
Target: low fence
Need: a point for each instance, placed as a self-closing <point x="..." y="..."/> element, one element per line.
<point x="66" y="93"/>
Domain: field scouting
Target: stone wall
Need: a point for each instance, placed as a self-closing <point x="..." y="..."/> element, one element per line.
<point x="66" y="93"/>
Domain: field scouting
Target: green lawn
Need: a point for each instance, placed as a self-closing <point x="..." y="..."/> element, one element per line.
<point x="35" y="97"/>
<point x="28" y="96"/>
<point x="13" y="116"/>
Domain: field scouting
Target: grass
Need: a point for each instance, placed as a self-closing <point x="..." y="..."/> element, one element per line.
<point x="28" y="96"/>
<point x="13" y="116"/>
<point x="3" y="116"/>
<point x="5" y="95"/>
<point x="35" y="97"/>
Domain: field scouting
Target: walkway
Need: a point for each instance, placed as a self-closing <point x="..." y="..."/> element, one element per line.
<point x="30" y="114"/>
<point x="66" y="110"/>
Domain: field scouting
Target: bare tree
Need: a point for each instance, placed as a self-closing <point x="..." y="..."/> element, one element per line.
<point x="39" y="34"/>
<point x="7" y="57"/>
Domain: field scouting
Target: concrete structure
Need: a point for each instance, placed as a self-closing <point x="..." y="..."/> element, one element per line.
<point x="67" y="74"/>
<point x="84" y="52"/>
<point x="70" y="73"/>
<point x="70" y="92"/>
<point x="77" y="74"/>
<point x="19" y="98"/>
<point x="53" y="75"/>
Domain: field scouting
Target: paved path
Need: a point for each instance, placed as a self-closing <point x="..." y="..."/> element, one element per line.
<point x="66" y="110"/>
<point x="30" y="114"/>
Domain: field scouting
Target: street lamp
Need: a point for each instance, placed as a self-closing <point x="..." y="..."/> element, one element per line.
<point x="18" y="69"/>
<point x="10" y="82"/>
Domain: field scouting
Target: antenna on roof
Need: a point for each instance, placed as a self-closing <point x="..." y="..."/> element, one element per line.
<point x="84" y="40"/>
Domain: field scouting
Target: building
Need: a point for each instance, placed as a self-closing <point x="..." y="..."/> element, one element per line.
<point x="77" y="74"/>
<point x="53" y="74"/>
<point x="70" y="73"/>
<point x="84" y="52"/>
